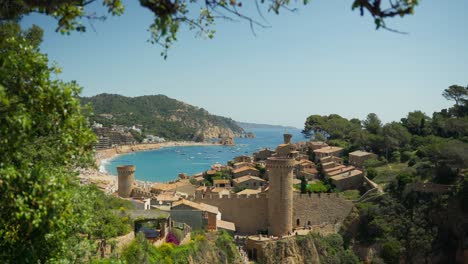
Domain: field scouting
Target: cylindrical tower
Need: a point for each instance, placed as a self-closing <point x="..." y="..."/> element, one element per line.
<point x="280" y="195"/>
<point x="126" y="177"/>
<point x="287" y="138"/>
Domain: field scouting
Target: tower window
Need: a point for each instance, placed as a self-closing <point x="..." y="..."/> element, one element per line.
<point x="298" y="222"/>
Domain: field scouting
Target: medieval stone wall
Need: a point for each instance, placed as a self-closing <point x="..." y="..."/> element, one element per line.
<point x="316" y="209"/>
<point x="249" y="213"/>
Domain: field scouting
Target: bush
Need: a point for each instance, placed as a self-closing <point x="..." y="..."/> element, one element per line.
<point x="371" y="173"/>
<point x="396" y="157"/>
<point x="171" y="238"/>
<point x="391" y="251"/>
<point x="372" y="163"/>
<point x="406" y="156"/>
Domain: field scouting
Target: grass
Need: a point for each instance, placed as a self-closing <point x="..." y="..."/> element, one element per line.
<point x="351" y="194"/>
<point x="389" y="172"/>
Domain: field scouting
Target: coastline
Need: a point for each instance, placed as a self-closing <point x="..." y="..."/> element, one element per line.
<point x="105" y="155"/>
<point x="108" y="181"/>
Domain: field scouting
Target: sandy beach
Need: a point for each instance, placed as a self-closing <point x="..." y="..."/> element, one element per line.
<point x="101" y="178"/>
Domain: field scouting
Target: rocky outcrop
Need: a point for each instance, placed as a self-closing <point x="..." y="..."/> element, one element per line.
<point x="291" y="251"/>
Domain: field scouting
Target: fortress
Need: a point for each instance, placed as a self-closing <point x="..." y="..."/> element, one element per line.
<point x="279" y="210"/>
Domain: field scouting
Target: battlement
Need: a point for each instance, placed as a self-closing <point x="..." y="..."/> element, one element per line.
<point x="228" y="196"/>
<point x="317" y="196"/>
<point x="125" y="169"/>
<point x="277" y="162"/>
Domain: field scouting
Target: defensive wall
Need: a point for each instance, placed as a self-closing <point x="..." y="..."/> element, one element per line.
<point x="250" y="212"/>
<point x="320" y="208"/>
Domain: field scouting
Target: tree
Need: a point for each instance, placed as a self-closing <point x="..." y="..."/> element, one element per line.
<point x="169" y="15"/>
<point x="417" y="123"/>
<point x="372" y="123"/>
<point x="456" y="93"/>
<point x="43" y="138"/>
<point x="395" y="136"/>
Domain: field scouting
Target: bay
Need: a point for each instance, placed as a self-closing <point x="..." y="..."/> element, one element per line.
<point x="165" y="164"/>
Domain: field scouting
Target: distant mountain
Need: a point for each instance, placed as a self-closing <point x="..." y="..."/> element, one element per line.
<point x="247" y="126"/>
<point x="162" y="116"/>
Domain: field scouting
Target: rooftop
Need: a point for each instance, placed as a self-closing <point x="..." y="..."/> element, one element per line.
<point x="330" y="149"/>
<point x="346" y="175"/>
<point x="245" y="168"/>
<point x="249" y="192"/>
<point x="360" y="153"/>
<point x="226" y="225"/>
<point x="198" y="206"/>
<point x="247" y="178"/>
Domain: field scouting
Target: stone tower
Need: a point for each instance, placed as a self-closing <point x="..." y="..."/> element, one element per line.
<point x="287" y="138"/>
<point x="126" y="177"/>
<point x="280" y="195"/>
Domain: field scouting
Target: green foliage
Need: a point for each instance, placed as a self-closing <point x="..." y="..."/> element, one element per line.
<point x="199" y="250"/>
<point x="351" y="194"/>
<point x="43" y="137"/>
<point x="318" y="187"/>
<point x="108" y="223"/>
<point x="158" y="114"/>
<point x="391" y="251"/>
<point x="332" y="249"/>
<point x="372" y="123"/>
<point x="371" y="173"/>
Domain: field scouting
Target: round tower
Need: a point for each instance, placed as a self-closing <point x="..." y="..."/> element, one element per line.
<point x="287" y="138"/>
<point x="280" y="195"/>
<point x="126" y="177"/>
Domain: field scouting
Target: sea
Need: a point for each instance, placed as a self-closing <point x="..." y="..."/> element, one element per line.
<point x="165" y="164"/>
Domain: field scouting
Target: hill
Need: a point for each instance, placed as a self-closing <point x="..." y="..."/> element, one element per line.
<point x="248" y="126"/>
<point x="160" y="115"/>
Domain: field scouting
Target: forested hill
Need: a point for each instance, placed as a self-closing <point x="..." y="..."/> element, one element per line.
<point x="160" y="115"/>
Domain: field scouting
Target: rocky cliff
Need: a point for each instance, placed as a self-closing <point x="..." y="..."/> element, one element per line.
<point x="312" y="249"/>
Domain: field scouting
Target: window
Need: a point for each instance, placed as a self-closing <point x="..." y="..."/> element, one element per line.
<point x="298" y="222"/>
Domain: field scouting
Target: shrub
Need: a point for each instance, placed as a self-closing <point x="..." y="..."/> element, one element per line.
<point x="371" y="173"/>
<point x="171" y="238"/>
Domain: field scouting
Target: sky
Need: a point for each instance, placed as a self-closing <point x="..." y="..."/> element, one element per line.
<point x="322" y="59"/>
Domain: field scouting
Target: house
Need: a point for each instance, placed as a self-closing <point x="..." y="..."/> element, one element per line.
<point x="249" y="182"/>
<point x="158" y="188"/>
<point x="317" y="145"/>
<point x="263" y="154"/>
<point x="246" y="170"/>
<point x="357" y="158"/>
<point x="198" y="180"/>
<point x="199" y="215"/>
<point x="309" y="173"/>
<point x="327" y="151"/>
<point x="243" y="158"/>
<point x="349" y="180"/>
<point x="334" y="159"/>
<point x="222" y="183"/>
<point x="238" y="165"/>
<point x="338" y="170"/>
<point x="218" y="191"/>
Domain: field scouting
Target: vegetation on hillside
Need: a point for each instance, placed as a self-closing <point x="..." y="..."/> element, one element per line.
<point x="403" y="224"/>
<point x="158" y="115"/>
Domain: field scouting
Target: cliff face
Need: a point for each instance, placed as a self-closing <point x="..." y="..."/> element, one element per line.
<point x="291" y="251"/>
<point x="312" y="249"/>
<point x="162" y="116"/>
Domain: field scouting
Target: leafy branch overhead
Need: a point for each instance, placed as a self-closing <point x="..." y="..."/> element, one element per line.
<point x="170" y="15"/>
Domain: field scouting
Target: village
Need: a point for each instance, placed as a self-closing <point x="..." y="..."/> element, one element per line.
<point x="267" y="196"/>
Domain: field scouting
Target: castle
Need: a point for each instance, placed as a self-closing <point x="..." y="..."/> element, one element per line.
<point x="278" y="211"/>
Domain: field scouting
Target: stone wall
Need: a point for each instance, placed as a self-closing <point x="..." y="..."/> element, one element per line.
<point x="317" y="209"/>
<point x="348" y="182"/>
<point x="249" y="213"/>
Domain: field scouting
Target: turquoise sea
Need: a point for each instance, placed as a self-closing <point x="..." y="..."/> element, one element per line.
<point x="165" y="164"/>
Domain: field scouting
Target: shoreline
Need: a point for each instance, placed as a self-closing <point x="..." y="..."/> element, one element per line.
<point x="100" y="176"/>
<point x="105" y="155"/>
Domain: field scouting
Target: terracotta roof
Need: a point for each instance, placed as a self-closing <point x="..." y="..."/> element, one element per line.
<point x="247" y="178"/>
<point x="346" y="175"/>
<point x="360" y="153"/>
<point x="249" y="191"/>
<point x="341" y="170"/>
<point x="201" y="188"/>
<point x="218" y="190"/>
<point x="225" y="225"/>
<point x="167" y="197"/>
<point x="245" y="168"/>
<point x="210" y="172"/>
<point x="330" y="149"/>
<point x="221" y="181"/>
<point x="198" y="206"/>
<point x="199" y="178"/>
<point x="310" y="170"/>
<point x="164" y="186"/>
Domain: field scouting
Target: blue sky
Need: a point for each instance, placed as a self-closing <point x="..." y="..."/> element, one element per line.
<point x="322" y="59"/>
